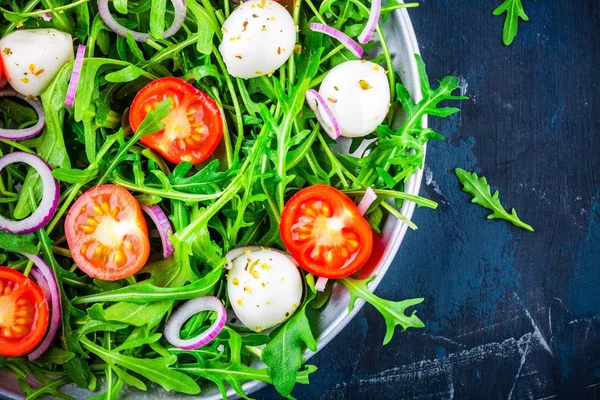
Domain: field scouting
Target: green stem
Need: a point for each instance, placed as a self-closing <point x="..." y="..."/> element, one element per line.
<point x="74" y="190"/>
<point x="60" y="9"/>
<point x="59" y="17"/>
<point x="28" y="7"/>
<point x="234" y="99"/>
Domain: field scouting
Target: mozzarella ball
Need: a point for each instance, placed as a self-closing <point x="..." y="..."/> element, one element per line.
<point x="358" y="94"/>
<point x="264" y="288"/>
<point x="258" y="38"/>
<point x="32" y="58"/>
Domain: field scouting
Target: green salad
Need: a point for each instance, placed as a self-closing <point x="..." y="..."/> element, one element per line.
<point x="181" y="181"/>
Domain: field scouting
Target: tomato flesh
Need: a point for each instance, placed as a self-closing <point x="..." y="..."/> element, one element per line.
<point x="324" y="231"/>
<point x="107" y="233"/>
<point x="23" y="314"/>
<point x="193" y="128"/>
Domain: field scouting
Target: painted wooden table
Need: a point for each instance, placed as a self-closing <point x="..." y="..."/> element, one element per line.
<point x="509" y="314"/>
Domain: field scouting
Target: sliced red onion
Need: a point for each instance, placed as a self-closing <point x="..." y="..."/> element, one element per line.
<point x="19" y="134"/>
<point x="368" y="199"/>
<point x="163" y="225"/>
<point x="3" y="82"/>
<point x="240" y="251"/>
<point x="45" y="278"/>
<point x="45" y="16"/>
<point x="321" y="283"/>
<point x="75" y="76"/>
<point x="50" y="194"/>
<point x="112" y="24"/>
<point x="186" y="311"/>
<point x="317" y="103"/>
<point x="346" y="40"/>
<point x="367" y="34"/>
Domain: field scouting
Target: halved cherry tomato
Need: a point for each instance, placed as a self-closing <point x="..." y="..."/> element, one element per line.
<point x="23" y="313"/>
<point x="107" y="233"/>
<point x="324" y="231"/>
<point x="194" y="127"/>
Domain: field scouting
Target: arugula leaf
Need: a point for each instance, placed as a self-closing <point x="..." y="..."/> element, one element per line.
<point x="15" y="242"/>
<point x="74" y="175"/>
<point x="392" y="311"/>
<point x="283" y="354"/>
<point x="55" y="355"/>
<point x="146" y="292"/>
<point x="514" y="10"/>
<point x="50" y="145"/>
<point x="482" y="195"/>
<point x="234" y="372"/>
<point x="154" y="369"/>
<point x="401" y="153"/>
<point x="150" y="124"/>
<point x="165" y="273"/>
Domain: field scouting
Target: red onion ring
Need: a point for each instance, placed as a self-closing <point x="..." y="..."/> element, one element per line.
<point x="240" y="251"/>
<point x="45" y="278"/>
<point x="367" y="34"/>
<point x="346" y="40"/>
<point x="50" y="194"/>
<point x="113" y="25"/>
<point x="19" y="134"/>
<point x="368" y="199"/>
<point x="163" y="225"/>
<point x="316" y="102"/>
<point x="75" y="76"/>
<point x="185" y="312"/>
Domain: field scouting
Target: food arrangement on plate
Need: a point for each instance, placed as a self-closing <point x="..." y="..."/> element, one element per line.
<point x="180" y="181"/>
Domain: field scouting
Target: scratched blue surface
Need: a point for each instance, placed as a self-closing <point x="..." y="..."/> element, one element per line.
<point x="509" y="314"/>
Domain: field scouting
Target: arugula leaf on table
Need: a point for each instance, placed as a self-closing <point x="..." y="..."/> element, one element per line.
<point x="156" y="370"/>
<point x="283" y="354"/>
<point x="16" y="242"/>
<point x="514" y="10"/>
<point x="392" y="311"/>
<point x="482" y="195"/>
<point x="234" y="372"/>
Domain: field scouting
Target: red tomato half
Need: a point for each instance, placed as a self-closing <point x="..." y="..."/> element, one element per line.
<point x="324" y="231"/>
<point x="23" y="314"/>
<point x="194" y="127"/>
<point x="107" y="233"/>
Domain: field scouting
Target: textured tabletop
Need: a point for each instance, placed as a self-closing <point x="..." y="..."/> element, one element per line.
<point x="509" y="314"/>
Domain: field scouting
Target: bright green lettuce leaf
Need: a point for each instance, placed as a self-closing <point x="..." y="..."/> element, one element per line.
<point x="482" y="195"/>
<point x="392" y="311"/>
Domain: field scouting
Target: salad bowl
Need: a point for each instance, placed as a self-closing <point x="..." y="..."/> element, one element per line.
<point x="329" y="321"/>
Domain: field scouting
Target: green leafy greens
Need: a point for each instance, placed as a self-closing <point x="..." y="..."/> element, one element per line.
<point x="514" y="11"/>
<point x="272" y="146"/>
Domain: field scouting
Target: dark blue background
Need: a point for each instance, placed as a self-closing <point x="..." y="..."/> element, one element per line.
<point x="509" y="314"/>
